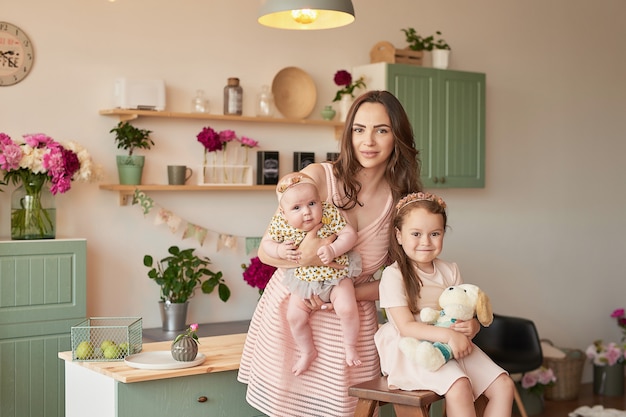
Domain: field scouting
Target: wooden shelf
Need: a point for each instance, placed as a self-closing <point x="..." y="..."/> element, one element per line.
<point x="132" y="114"/>
<point x="126" y="191"/>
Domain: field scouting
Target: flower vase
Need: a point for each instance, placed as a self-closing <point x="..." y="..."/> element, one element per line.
<point x="33" y="211"/>
<point x="185" y="349"/>
<point x="533" y="402"/>
<point x="344" y="106"/>
<point x="608" y="380"/>
<point x="328" y="113"/>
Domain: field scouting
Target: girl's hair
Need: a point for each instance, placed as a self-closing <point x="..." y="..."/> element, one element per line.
<point x="403" y="167"/>
<point x="433" y="204"/>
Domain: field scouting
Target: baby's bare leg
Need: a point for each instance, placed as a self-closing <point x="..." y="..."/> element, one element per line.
<point x="298" y="318"/>
<point x="344" y="303"/>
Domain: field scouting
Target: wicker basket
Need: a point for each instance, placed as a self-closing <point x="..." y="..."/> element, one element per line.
<point x="568" y="372"/>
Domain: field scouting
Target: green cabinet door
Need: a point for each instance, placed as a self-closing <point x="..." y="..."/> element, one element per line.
<point x="225" y="397"/>
<point x="42" y="295"/>
<point x="447" y="112"/>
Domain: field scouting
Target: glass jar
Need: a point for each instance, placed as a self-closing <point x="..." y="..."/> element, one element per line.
<point x="233" y="97"/>
<point x="199" y="104"/>
<point x="265" y="102"/>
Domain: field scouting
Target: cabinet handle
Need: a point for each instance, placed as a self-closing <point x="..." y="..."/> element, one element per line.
<point x="202" y="399"/>
<point x="435" y="180"/>
<point x="443" y="180"/>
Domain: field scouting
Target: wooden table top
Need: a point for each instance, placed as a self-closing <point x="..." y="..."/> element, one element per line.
<point x="223" y="353"/>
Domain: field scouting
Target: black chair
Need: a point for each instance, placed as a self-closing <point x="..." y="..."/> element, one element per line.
<point x="514" y="344"/>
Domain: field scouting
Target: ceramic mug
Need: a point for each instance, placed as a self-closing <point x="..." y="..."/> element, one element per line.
<point x="178" y="174"/>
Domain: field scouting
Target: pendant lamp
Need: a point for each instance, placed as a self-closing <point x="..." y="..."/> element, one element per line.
<point x="306" y="14"/>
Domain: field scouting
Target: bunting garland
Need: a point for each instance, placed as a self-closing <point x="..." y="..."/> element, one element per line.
<point x="190" y="230"/>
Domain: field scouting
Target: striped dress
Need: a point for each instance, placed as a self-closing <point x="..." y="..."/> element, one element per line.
<point x="270" y="352"/>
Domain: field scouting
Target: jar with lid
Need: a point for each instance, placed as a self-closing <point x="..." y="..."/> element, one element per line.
<point x="199" y="104"/>
<point x="233" y="97"/>
<point x="265" y="102"/>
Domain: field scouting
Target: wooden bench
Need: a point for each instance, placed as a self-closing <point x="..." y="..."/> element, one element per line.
<point x="374" y="393"/>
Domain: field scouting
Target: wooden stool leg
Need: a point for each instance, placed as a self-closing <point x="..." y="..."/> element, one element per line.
<point x="520" y="404"/>
<point x="410" y="411"/>
<point x="365" y="408"/>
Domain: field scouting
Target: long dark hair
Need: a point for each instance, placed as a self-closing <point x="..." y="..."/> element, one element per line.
<point x="412" y="281"/>
<point x="403" y="167"/>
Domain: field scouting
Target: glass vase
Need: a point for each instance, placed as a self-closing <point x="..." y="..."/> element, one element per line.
<point x="185" y="350"/>
<point x="33" y="211"/>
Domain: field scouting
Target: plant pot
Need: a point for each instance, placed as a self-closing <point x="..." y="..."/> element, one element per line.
<point x="441" y="58"/>
<point x="130" y="169"/>
<point x="173" y="315"/>
<point x="609" y="380"/>
<point x="185" y="350"/>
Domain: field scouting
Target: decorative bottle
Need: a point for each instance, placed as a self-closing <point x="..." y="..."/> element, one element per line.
<point x="233" y="97"/>
<point x="265" y="102"/>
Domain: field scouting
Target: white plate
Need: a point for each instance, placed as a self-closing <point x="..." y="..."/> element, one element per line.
<point x="160" y="359"/>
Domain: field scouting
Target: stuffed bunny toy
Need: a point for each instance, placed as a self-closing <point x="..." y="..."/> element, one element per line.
<point x="459" y="302"/>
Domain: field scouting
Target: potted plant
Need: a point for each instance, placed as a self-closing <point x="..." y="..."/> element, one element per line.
<point x="179" y="275"/>
<point x="130" y="138"/>
<point x="441" y="53"/>
<point x="440" y="48"/>
<point x="417" y="42"/>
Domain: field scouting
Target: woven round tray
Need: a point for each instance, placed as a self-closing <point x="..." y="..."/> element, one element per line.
<point x="294" y="93"/>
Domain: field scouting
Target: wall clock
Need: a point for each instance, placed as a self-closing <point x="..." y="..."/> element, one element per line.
<point x="16" y="54"/>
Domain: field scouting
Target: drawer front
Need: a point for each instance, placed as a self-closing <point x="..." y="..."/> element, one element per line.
<point x="225" y="397"/>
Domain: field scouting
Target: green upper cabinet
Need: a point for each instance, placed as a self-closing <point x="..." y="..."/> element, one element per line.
<point x="447" y="111"/>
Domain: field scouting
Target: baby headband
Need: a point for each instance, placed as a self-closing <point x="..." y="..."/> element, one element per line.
<point x="412" y="198"/>
<point x="290" y="181"/>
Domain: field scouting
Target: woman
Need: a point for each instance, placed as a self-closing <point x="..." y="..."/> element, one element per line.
<point x="378" y="164"/>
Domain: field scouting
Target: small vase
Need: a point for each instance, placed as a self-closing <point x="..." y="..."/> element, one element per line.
<point x="328" y="113"/>
<point x="344" y="106"/>
<point x="533" y="403"/>
<point x="609" y="380"/>
<point x="33" y="211"/>
<point x="185" y="350"/>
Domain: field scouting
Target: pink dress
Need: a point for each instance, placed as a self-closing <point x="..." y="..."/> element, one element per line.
<point x="270" y="352"/>
<point x="403" y="373"/>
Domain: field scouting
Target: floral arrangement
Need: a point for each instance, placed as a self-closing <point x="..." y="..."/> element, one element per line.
<point x="344" y="79"/>
<point x="41" y="157"/>
<point x="214" y="141"/>
<point x="33" y="163"/>
<point x="601" y="353"/>
<point x="190" y="333"/>
<point x="619" y="316"/>
<point x="257" y="274"/>
<point x="536" y="381"/>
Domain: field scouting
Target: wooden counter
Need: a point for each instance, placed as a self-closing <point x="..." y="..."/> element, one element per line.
<point x="223" y="354"/>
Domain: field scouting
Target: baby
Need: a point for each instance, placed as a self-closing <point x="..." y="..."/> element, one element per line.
<point x="300" y="210"/>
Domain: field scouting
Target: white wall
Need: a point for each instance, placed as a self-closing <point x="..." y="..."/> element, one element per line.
<point x="545" y="237"/>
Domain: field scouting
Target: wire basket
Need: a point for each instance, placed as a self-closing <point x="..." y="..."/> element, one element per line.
<point x="106" y="339"/>
<point x="568" y="372"/>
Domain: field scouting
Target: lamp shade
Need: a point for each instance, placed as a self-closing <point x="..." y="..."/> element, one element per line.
<point x="306" y="14"/>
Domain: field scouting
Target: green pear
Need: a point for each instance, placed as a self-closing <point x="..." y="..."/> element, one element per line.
<point x="111" y="352"/>
<point x="84" y="350"/>
<point x="123" y="348"/>
<point x="106" y="344"/>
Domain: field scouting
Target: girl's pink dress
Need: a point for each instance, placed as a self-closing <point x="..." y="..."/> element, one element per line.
<point x="270" y="352"/>
<point x="404" y="373"/>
